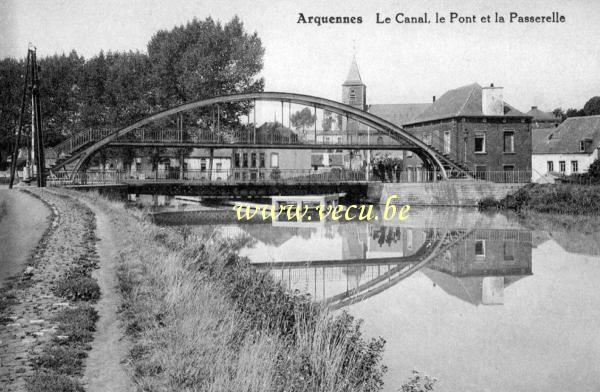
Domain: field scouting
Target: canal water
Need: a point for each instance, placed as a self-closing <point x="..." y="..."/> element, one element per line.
<point x="479" y="301"/>
<point x="23" y="220"/>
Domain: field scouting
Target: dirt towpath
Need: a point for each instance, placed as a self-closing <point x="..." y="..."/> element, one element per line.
<point x="105" y="370"/>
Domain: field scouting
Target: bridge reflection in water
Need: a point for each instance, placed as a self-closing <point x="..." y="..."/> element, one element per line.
<point x="470" y="256"/>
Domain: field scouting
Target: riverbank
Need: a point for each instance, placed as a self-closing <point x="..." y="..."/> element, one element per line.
<point x="550" y="198"/>
<point x="200" y="318"/>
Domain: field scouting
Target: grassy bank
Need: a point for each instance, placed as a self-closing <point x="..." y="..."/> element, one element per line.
<point x="550" y="198"/>
<point x="201" y="319"/>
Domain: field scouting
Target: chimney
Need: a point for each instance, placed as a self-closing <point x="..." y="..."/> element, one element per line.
<point x="492" y="101"/>
<point x="434" y="98"/>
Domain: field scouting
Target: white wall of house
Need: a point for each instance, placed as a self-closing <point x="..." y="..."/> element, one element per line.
<point x="539" y="163"/>
<point x="220" y="167"/>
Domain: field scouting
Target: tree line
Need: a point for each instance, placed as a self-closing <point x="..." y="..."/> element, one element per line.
<point x="591" y="108"/>
<point x="201" y="59"/>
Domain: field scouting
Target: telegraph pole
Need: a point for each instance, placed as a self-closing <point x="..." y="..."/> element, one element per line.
<point x="36" y="144"/>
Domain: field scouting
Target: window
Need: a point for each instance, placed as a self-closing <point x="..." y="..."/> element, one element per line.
<point x="480" y="249"/>
<point x="574" y="166"/>
<point x="379" y="140"/>
<point x="261" y="159"/>
<point x="202" y="164"/>
<point x="219" y="166"/>
<point x="582" y="145"/>
<point x="446" y="142"/>
<point x="261" y="175"/>
<point x="339" y="140"/>
<point x="253" y="159"/>
<point x="352" y="96"/>
<point x="509" y="251"/>
<point x="245" y="159"/>
<point x="427" y="138"/>
<point x="236" y="159"/>
<point x="550" y="165"/>
<point x="509" y="141"/>
<point x="274" y="159"/>
<point x="562" y="166"/>
<point x="509" y="168"/>
<point x="479" y="143"/>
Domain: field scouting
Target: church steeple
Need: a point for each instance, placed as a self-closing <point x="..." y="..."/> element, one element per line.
<point x="353" y="77"/>
<point x="354" y="91"/>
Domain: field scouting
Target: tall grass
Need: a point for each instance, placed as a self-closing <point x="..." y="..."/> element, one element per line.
<point x="551" y="198"/>
<point x="201" y="319"/>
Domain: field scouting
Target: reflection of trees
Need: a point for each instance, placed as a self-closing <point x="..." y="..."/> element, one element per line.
<point x="387" y="235"/>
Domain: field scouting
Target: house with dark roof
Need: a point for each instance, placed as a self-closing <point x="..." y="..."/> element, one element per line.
<point x="541" y="120"/>
<point x="570" y="148"/>
<point x="473" y="126"/>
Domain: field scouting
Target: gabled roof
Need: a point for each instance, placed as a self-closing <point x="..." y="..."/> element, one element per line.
<point x="398" y="114"/>
<point x="566" y="137"/>
<point x="464" y="101"/>
<point x="539" y="137"/>
<point x="539" y="115"/>
<point x="353" y="77"/>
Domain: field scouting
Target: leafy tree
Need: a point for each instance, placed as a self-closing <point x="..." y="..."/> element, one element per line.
<point x="59" y="86"/>
<point x="204" y="59"/>
<point x="11" y="85"/>
<point x="572" y="112"/>
<point x="594" y="169"/>
<point x="592" y="106"/>
<point x="559" y="113"/>
<point x="303" y="119"/>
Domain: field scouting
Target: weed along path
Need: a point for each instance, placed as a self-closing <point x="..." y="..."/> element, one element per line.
<point x="104" y="369"/>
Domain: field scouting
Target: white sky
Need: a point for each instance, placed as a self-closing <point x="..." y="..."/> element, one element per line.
<point x="544" y="65"/>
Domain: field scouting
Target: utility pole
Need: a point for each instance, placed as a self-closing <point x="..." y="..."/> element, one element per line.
<point x="31" y="85"/>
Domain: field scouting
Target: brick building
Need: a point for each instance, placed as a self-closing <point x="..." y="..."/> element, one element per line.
<point x="475" y="127"/>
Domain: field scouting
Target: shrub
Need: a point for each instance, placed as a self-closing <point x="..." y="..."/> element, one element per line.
<point x="53" y="382"/>
<point x="63" y="360"/>
<point x="77" y="285"/>
<point x="77" y="323"/>
<point x="418" y="383"/>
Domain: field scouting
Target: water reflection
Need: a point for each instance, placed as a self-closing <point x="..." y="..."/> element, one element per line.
<point x="470" y="256"/>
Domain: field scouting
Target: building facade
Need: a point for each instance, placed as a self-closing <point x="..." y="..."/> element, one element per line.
<point x="568" y="149"/>
<point x="473" y="126"/>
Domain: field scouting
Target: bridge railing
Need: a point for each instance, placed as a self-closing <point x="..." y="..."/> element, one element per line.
<point x="248" y="136"/>
<point x="222" y="176"/>
<point x="77" y="141"/>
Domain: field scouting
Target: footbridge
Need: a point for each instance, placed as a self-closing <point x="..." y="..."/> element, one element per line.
<point x="301" y="122"/>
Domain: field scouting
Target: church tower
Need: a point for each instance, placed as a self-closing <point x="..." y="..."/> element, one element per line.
<point x="354" y="91"/>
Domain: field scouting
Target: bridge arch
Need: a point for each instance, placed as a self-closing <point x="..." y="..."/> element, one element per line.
<point x="425" y="152"/>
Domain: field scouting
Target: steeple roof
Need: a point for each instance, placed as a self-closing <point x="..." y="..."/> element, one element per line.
<point x="353" y="77"/>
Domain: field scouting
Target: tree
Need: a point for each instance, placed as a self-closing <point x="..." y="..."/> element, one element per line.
<point x="59" y="89"/>
<point x="303" y="118"/>
<point x="204" y="59"/>
<point x="594" y="169"/>
<point x="559" y="113"/>
<point x="572" y="112"/>
<point x="11" y="84"/>
<point x="592" y="106"/>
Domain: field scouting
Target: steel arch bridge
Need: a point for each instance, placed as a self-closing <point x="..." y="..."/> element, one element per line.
<point x="76" y="153"/>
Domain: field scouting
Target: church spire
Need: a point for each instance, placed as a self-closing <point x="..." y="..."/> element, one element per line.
<point x="353" y="77"/>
